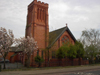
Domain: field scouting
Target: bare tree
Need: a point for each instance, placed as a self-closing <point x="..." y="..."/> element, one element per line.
<point x="27" y="45"/>
<point x="91" y="41"/>
<point x="6" y="40"/>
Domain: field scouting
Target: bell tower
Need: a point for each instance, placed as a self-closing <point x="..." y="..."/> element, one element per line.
<point x="37" y="23"/>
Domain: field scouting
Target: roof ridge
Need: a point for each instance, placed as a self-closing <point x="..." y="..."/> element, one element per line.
<point x="57" y="29"/>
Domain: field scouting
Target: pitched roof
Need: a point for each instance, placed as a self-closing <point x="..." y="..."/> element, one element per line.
<point x="55" y="35"/>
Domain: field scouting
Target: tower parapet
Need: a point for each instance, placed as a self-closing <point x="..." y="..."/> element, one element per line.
<point x="38" y="3"/>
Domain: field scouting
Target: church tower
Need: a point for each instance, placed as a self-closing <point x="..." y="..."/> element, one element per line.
<point x="37" y="23"/>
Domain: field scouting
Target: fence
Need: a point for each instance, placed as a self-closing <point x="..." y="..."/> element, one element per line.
<point x="62" y="62"/>
<point x="11" y="65"/>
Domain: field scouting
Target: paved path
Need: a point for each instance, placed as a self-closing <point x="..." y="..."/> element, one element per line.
<point x="49" y="71"/>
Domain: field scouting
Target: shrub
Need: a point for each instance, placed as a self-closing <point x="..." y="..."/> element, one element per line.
<point x="39" y="60"/>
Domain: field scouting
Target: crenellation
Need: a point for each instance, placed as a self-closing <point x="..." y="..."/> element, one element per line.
<point x="42" y="2"/>
<point x="46" y="4"/>
<point x="35" y="0"/>
<point x="39" y="2"/>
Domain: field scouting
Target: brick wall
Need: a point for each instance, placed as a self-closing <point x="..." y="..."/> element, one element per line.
<point x="40" y="36"/>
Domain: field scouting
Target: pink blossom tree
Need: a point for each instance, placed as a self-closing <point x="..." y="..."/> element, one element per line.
<point x="6" y="41"/>
<point x="27" y="45"/>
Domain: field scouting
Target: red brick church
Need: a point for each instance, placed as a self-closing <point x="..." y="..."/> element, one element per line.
<point x="38" y="27"/>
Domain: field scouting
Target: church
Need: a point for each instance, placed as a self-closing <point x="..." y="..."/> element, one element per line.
<point x="48" y="42"/>
<point x="37" y="25"/>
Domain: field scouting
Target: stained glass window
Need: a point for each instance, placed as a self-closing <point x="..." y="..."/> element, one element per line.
<point x="65" y="39"/>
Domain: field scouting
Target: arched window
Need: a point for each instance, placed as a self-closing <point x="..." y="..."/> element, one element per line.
<point x="65" y="39"/>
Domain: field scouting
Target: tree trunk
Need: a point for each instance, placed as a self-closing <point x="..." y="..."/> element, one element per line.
<point x="39" y="65"/>
<point x="4" y="64"/>
<point x="72" y="62"/>
<point x="28" y="62"/>
<point x="92" y="60"/>
<point x="48" y="57"/>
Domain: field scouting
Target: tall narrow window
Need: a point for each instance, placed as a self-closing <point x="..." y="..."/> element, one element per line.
<point x="38" y="13"/>
<point x="44" y="15"/>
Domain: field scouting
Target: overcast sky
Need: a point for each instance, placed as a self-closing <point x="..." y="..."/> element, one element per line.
<point x="78" y="14"/>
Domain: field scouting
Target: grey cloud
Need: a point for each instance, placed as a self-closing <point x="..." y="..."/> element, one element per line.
<point x="79" y="14"/>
